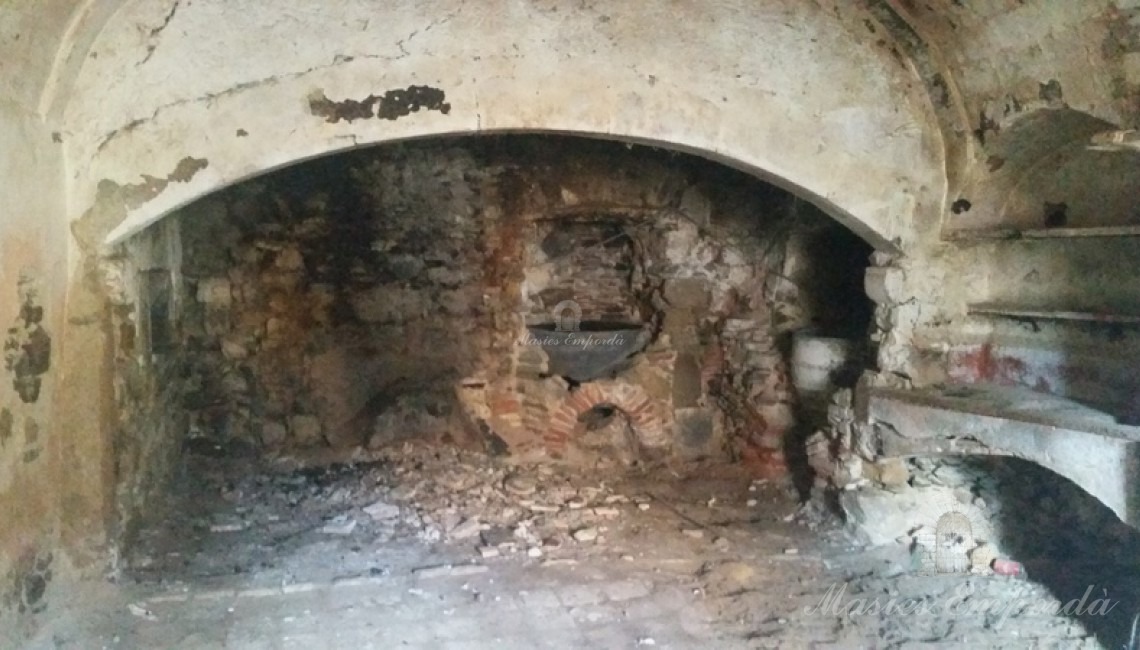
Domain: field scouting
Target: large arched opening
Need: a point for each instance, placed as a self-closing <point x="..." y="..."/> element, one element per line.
<point x="137" y="146"/>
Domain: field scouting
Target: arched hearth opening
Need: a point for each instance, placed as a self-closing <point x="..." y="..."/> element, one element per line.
<point x="509" y="294"/>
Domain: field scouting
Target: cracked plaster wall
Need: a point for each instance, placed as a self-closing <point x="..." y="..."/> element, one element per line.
<point x="1021" y="91"/>
<point x="586" y="70"/>
<point x="34" y="479"/>
<point x="153" y="103"/>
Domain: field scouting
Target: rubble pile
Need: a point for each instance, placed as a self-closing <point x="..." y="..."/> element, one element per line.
<point x="958" y="514"/>
<point x="410" y="519"/>
<point x="499" y="509"/>
<point x="962" y="514"/>
<point x="418" y="502"/>
<point x="434" y="494"/>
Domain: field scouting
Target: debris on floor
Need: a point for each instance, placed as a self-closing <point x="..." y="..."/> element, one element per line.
<point x="434" y="542"/>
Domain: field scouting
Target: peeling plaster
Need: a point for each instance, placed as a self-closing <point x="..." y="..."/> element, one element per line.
<point x="937" y="76"/>
<point x="494" y="84"/>
<point x="26" y="584"/>
<point x="392" y="105"/>
<point x="113" y="201"/>
<point x="28" y="347"/>
<point x="214" y="96"/>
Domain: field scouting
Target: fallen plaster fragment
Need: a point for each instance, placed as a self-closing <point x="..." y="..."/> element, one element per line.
<point x="141" y="611"/>
<point x="586" y="534"/>
<point x="467" y="529"/>
<point x="450" y="570"/>
<point x="341" y="525"/>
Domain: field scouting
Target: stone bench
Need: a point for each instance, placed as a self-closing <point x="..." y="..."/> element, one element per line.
<point x="1080" y="443"/>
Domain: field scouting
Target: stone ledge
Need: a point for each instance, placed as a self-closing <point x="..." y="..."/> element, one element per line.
<point x="1077" y="442"/>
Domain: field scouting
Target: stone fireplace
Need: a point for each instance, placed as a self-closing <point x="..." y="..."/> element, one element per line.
<point x="410" y="292"/>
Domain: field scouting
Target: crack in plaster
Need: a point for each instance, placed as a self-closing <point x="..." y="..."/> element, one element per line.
<point x="435" y="23"/>
<point x="157" y="31"/>
<point x="338" y="60"/>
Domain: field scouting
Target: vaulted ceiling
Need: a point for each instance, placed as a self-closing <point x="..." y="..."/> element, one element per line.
<point x="1034" y="97"/>
<point x="1035" y="100"/>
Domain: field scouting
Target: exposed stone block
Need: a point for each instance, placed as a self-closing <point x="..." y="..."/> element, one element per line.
<point x="289" y="259"/>
<point x="891" y="472"/>
<point x="273" y="434"/>
<point x="687" y="382"/>
<point x="695" y="429"/>
<point x="305" y="430"/>
<point x="687" y="293"/>
<point x="696" y="206"/>
<point x="216" y="292"/>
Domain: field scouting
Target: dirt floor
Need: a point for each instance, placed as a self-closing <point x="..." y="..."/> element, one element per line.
<point x="433" y="548"/>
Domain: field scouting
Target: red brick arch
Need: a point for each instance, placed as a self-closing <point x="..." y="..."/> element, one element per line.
<point x="645" y="414"/>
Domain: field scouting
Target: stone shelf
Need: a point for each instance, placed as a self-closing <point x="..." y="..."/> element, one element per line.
<point x="1041" y="233"/>
<point x="1088" y="446"/>
<point x="999" y="310"/>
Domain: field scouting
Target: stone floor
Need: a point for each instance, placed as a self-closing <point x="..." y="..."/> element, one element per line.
<point x="559" y="608"/>
<point x="680" y="557"/>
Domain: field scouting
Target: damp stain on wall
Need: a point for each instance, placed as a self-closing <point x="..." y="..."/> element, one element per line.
<point x="27" y="345"/>
<point x="26" y="585"/>
<point x="32" y="446"/>
<point x="6" y="425"/>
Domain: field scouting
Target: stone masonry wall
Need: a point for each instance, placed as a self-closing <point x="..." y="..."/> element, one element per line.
<point x="320" y="295"/>
<point x="150" y="370"/>
<point x="38" y="477"/>
<point x="367" y="298"/>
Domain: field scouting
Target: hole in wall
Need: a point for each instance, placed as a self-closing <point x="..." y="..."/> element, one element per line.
<point x="598" y="416"/>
